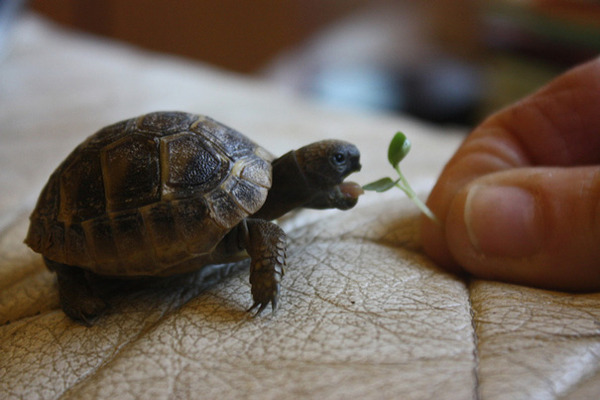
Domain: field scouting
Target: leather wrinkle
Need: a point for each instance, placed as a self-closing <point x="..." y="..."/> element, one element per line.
<point x="476" y="371"/>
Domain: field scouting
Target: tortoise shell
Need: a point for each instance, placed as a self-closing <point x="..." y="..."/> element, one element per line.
<point x="147" y="194"/>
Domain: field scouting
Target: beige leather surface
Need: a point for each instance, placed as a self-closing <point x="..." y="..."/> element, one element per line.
<point x="364" y="313"/>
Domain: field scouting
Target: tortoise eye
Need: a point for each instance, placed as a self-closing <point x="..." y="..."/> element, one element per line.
<point x="338" y="158"/>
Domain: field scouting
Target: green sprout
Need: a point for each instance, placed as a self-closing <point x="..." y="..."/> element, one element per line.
<point x="398" y="149"/>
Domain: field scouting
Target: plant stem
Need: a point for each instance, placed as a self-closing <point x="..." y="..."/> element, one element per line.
<point x="403" y="185"/>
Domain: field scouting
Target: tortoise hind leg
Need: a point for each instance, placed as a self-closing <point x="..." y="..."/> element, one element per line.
<point x="77" y="298"/>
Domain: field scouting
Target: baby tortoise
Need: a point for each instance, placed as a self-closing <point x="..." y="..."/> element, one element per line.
<point x="170" y="192"/>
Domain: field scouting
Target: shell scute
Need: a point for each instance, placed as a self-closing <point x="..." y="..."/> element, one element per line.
<point x="163" y="233"/>
<point x="234" y="144"/>
<point x="250" y="197"/>
<point x="75" y="241"/>
<point x="131" y="172"/>
<point x="196" y="226"/>
<point x="189" y="165"/>
<point x="48" y="203"/>
<point x="55" y="239"/>
<point x="100" y="240"/>
<point x="107" y="135"/>
<point x="165" y="123"/>
<point x="130" y="238"/>
<point x="82" y="187"/>
<point x="225" y="210"/>
<point x="254" y="171"/>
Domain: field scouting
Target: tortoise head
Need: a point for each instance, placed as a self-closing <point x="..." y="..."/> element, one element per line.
<point x="313" y="177"/>
<point x="324" y="166"/>
<point x="326" y="163"/>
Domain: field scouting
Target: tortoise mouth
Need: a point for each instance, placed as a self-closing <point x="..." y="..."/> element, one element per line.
<point x="350" y="189"/>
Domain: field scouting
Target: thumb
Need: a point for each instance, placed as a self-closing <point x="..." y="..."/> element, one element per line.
<point x="533" y="226"/>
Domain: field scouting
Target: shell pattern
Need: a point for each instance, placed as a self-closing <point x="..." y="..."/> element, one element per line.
<point x="147" y="194"/>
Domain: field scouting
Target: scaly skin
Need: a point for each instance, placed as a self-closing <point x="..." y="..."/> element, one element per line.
<point x="77" y="298"/>
<point x="266" y="245"/>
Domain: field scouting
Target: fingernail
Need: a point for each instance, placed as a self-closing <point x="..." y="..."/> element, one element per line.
<point x="503" y="221"/>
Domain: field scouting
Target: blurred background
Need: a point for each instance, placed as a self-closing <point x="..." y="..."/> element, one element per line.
<point x="448" y="61"/>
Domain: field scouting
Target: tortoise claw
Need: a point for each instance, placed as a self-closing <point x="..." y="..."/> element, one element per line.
<point x="261" y="307"/>
<point x="262" y="302"/>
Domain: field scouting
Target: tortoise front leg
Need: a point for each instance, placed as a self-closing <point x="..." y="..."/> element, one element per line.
<point x="265" y="242"/>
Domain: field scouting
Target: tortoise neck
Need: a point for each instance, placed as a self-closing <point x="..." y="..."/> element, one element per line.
<point x="289" y="189"/>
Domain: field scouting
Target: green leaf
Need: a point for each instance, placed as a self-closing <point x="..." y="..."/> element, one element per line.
<point x="380" y="185"/>
<point x="398" y="149"/>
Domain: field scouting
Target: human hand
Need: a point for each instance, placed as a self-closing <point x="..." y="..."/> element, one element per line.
<point x="520" y="199"/>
